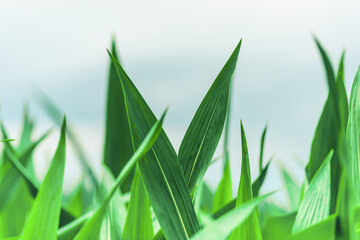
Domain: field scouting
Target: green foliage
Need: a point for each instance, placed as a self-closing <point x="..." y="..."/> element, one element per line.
<point x="147" y="188"/>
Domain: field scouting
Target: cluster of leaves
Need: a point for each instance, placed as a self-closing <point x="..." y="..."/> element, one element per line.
<point x="148" y="191"/>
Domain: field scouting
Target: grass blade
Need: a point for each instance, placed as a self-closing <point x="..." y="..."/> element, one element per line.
<point x="44" y="217"/>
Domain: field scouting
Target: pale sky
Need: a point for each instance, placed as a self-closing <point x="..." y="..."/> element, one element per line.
<point x="173" y="52"/>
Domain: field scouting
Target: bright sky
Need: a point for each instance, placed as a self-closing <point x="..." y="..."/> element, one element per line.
<point x="173" y="51"/>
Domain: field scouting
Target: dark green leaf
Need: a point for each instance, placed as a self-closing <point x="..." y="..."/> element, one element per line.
<point x="160" y="170"/>
<point x="204" y="132"/>
<point x="118" y="146"/>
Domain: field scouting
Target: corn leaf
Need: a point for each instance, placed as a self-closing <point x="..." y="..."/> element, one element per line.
<point x="278" y="227"/>
<point x="91" y="229"/>
<point x="138" y="223"/>
<point x="56" y="114"/>
<point x="293" y="190"/>
<point x="250" y="228"/>
<point x="118" y="147"/>
<point x="323" y="230"/>
<point x="10" y="178"/>
<point x="353" y="138"/>
<point x="44" y="217"/>
<point x="224" y="225"/>
<point x="13" y="217"/>
<point x="315" y="206"/>
<point x="262" y="144"/>
<point x="202" y="136"/>
<point x="256" y="186"/>
<point x="160" y="170"/>
<point x="223" y="193"/>
<point x="330" y="130"/>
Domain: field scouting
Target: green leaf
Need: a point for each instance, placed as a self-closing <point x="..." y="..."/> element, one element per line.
<point x="160" y="170"/>
<point x="353" y="139"/>
<point x="223" y="193"/>
<point x="114" y="220"/>
<point x="56" y="115"/>
<point x="315" y="205"/>
<point x="13" y="217"/>
<point x="293" y="190"/>
<point x="262" y="144"/>
<point x="203" y="135"/>
<point x="44" y="217"/>
<point x="324" y="230"/>
<point x="34" y="185"/>
<point x="28" y="126"/>
<point x="203" y="198"/>
<point x="279" y="227"/>
<point x="330" y="130"/>
<point x="118" y="146"/>
<point x="10" y="178"/>
<point x="91" y="229"/>
<point x="223" y="226"/>
<point x="267" y="210"/>
<point x="256" y="186"/>
<point x="138" y="223"/>
<point x="250" y="228"/>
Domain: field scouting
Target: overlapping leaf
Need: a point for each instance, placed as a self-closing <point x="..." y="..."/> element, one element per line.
<point x="160" y="170"/>
<point x="44" y="217"/>
<point x="118" y="148"/>
<point x="204" y="132"/>
<point x="91" y="229"/>
<point x="250" y="228"/>
<point x="138" y="223"/>
<point x="315" y="206"/>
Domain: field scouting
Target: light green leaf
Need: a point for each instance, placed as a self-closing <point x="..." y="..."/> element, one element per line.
<point x="278" y="227"/>
<point x="250" y="228"/>
<point x="114" y="220"/>
<point x="224" y="225"/>
<point x="293" y="190"/>
<point x="353" y="139"/>
<point x="223" y="193"/>
<point x="315" y="206"/>
<point x="44" y="217"/>
<point x="160" y="170"/>
<point x="118" y="146"/>
<point x="91" y="229"/>
<point x="330" y="130"/>
<point x="323" y="230"/>
<point x="138" y="223"/>
<point x="9" y="176"/>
